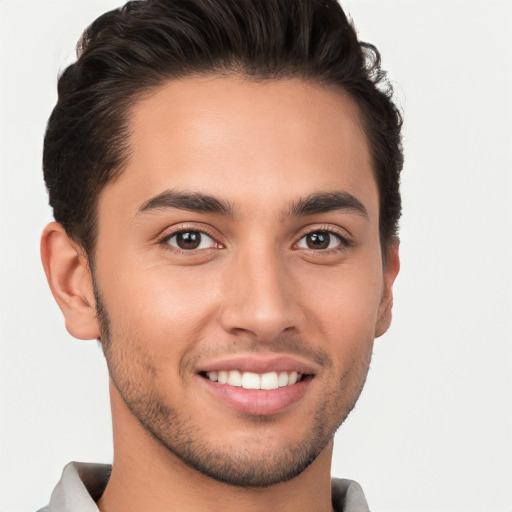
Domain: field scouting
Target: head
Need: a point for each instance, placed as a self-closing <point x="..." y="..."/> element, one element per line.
<point x="226" y="179"/>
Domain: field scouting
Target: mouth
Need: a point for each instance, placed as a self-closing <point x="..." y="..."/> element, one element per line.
<point x="250" y="380"/>
<point x="258" y="386"/>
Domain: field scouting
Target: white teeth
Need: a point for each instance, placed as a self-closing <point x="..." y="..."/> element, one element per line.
<point x="250" y="380"/>
<point x="283" y="379"/>
<point x="269" y="381"/>
<point x="235" y="378"/>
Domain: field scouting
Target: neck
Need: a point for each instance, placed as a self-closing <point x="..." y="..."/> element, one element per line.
<point x="147" y="476"/>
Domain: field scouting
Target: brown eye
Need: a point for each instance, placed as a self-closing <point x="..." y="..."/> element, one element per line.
<point x="188" y="240"/>
<point x="319" y="240"/>
<point x="191" y="240"/>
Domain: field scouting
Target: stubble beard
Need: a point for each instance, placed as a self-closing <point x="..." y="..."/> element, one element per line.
<point x="177" y="433"/>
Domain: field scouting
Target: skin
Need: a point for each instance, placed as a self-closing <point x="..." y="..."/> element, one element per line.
<point x="254" y="288"/>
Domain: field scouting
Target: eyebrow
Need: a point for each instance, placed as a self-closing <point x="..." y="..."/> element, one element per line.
<point x="323" y="202"/>
<point x="318" y="202"/>
<point x="191" y="201"/>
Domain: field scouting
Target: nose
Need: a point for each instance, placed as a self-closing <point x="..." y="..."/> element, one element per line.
<point x="260" y="297"/>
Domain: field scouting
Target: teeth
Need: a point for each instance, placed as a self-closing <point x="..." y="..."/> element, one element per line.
<point x="235" y="378"/>
<point x="250" y="380"/>
<point x="269" y="381"/>
<point x="283" y="379"/>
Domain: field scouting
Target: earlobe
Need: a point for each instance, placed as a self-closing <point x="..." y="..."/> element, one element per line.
<point x="391" y="269"/>
<point x="68" y="274"/>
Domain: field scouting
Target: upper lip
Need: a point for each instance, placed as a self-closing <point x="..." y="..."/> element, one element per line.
<point x="259" y="364"/>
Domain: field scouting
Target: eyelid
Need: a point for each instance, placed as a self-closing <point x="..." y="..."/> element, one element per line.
<point x="346" y="239"/>
<point x="211" y="244"/>
<point x="174" y="230"/>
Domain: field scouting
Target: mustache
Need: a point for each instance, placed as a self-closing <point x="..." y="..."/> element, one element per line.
<point x="284" y="345"/>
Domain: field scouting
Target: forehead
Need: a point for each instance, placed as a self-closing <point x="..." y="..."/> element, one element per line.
<point x="255" y="143"/>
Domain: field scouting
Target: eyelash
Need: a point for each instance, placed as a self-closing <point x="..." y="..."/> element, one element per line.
<point x="164" y="241"/>
<point x="344" y="241"/>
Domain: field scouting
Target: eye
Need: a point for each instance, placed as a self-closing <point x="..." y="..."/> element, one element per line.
<point x="191" y="240"/>
<point x="320" y="240"/>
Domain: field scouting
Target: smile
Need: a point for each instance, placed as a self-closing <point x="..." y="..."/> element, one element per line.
<point x="258" y="384"/>
<point x="251" y="380"/>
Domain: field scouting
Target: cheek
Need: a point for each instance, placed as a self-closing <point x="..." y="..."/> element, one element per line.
<point x="343" y="305"/>
<point x="165" y="309"/>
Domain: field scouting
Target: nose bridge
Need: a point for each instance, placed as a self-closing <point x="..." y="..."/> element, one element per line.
<point x="259" y="294"/>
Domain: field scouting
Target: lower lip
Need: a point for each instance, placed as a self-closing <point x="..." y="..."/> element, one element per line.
<point x="259" y="402"/>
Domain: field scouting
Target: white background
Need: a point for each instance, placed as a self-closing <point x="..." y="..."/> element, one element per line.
<point x="432" y="431"/>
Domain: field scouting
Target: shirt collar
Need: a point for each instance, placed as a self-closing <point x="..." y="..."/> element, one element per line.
<point x="82" y="484"/>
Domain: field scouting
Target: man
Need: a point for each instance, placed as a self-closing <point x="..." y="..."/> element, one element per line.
<point x="224" y="178"/>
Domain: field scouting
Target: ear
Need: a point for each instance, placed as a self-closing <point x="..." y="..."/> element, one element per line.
<point x="68" y="274"/>
<point x="391" y="269"/>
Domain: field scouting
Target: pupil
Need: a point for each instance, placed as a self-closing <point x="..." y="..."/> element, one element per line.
<point x="318" y="240"/>
<point x="188" y="239"/>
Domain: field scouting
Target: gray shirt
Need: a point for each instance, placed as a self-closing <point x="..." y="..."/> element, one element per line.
<point x="82" y="484"/>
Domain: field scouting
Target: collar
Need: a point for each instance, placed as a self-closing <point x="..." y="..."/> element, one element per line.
<point x="80" y="486"/>
<point x="83" y="483"/>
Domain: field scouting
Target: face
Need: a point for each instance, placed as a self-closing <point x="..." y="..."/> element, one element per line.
<point x="239" y="274"/>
